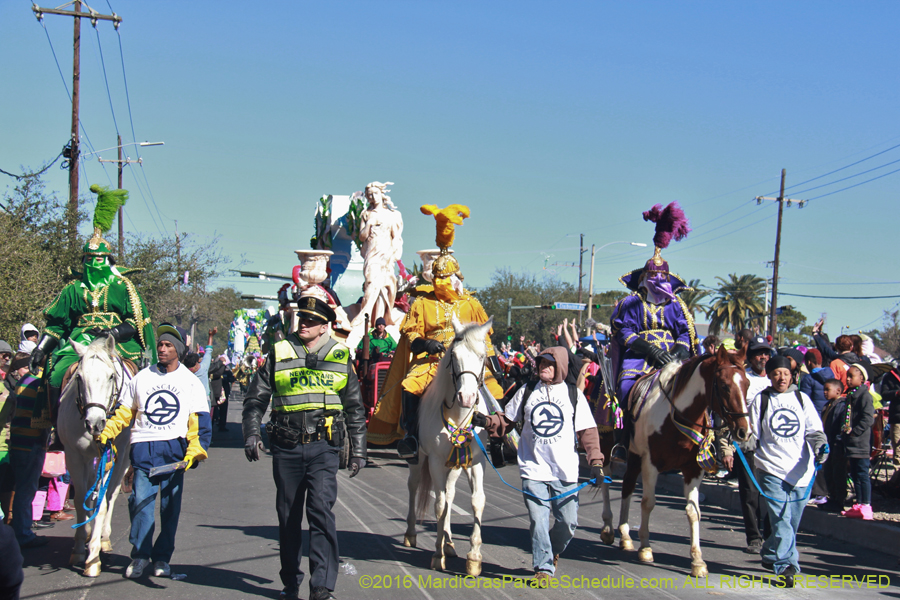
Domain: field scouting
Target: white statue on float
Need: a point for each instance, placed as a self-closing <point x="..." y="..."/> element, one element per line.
<point x="381" y="234"/>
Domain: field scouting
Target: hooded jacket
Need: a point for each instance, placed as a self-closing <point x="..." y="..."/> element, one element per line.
<point x="813" y="385"/>
<point x="27" y="345"/>
<point x="857" y="443"/>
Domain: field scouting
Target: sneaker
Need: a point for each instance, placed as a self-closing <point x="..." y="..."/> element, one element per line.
<point x="865" y="511"/>
<point x="136" y="568"/>
<point x="754" y="547"/>
<point x="786" y="578"/>
<point x="289" y="593"/>
<point x="541" y="579"/>
<point x="35" y="542"/>
<point x="817" y="501"/>
<point x="852" y="513"/>
<point x="320" y="592"/>
<point x="162" y="569"/>
<point x="61" y="516"/>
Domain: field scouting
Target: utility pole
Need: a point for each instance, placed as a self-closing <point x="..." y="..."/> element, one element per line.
<point x="580" y="271"/>
<point x="591" y="284"/>
<point x="73" y="153"/>
<point x="773" y="318"/>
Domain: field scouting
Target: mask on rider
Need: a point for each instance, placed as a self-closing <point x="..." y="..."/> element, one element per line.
<point x="659" y="289"/>
<point x="97" y="272"/>
<point x="444" y="290"/>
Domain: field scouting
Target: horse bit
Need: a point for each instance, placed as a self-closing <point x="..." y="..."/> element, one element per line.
<point x="108" y="408"/>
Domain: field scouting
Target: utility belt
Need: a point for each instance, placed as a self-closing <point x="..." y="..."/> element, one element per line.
<point x="289" y="429"/>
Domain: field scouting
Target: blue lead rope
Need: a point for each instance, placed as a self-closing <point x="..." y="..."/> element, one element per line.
<point x="100" y="484"/>
<point x="747" y="468"/>
<point x="563" y="495"/>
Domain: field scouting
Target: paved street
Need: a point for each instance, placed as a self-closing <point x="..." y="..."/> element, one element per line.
<point x="227" y="544"/>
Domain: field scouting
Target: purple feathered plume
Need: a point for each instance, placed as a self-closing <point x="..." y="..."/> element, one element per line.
<point x="670" y="223"/>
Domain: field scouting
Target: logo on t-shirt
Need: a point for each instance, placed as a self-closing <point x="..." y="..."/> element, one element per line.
<point x="784" y="423"/>
<point x="546" y="420"/>
<point x="162" y="407"/>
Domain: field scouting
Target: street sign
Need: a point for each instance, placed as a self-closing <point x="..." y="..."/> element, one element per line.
<point x="569" y="306"/>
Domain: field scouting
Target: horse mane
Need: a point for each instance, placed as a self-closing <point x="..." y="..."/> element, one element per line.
<point x="467" y="337"/>
<point x="686" y="372"/>
<point x="97" y="349"/>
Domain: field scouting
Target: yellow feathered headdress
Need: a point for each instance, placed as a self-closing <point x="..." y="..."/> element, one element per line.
<point x="446" y="220"/>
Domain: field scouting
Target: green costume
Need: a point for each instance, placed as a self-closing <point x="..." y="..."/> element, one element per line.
<point x="384" y="345"/>
<point x="104" y="302"/>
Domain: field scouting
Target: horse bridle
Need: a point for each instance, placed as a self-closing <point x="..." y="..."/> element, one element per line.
<point x="479" y="377"/>
<point x="717" y="395"/>
<point x="114" y="397"/>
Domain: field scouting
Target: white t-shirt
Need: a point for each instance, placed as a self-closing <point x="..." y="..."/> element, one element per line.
<point x="783" y="450"/>
<point x="162" y="403"/>
<point x="547" y="448"/>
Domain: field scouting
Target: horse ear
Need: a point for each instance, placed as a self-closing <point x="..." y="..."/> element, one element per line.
<point x="486" y="327"/>
<point x="110" y="344"/>
<point x="741" y="355"/>
<point x="80" y="349"/>
<point x="722" y="354"/>
<point x="457" y="326"/>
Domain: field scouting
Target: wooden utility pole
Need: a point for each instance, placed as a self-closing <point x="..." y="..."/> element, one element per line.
<point x="76" y="88"/>
<point x="591" y="284"/>
<point x="773" y="307"/>
<point x="580" y="271"/>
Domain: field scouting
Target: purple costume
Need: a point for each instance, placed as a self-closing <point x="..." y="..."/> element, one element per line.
<point x="665" y="326"/>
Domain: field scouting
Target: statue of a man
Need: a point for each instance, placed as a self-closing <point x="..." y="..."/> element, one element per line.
<point x="381" y="231"/>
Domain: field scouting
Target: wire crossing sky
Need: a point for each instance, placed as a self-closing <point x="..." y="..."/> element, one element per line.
<point x="548" y="119"/>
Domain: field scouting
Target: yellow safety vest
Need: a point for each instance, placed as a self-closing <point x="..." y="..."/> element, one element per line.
<point x="298" y="388"/>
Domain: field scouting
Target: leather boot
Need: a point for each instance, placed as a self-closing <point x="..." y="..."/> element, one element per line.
<point x="408" y="447"/>
<point x="53" y="395"/>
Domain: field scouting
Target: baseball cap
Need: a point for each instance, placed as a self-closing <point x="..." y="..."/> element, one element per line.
<point x="758" y="342"/>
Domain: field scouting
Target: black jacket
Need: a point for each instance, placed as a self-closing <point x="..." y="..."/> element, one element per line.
<point x="858" y="443"/>
<point x="890" y="392"/>
<point x="256" y="402"/>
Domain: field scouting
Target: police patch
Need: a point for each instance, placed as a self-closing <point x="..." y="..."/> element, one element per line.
<point x="339" y="354"/>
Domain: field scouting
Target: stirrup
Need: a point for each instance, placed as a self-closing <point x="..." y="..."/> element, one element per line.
<point x="619" y="453"/>
<point x="408" y="450"/>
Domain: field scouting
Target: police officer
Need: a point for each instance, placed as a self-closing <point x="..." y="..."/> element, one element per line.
<point x="316" y="402"/>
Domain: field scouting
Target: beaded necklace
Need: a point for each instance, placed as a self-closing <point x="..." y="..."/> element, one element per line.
<point x="847" y="427"/>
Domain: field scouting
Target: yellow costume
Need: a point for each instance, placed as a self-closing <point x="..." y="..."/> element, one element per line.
<point x="429" y="318"/>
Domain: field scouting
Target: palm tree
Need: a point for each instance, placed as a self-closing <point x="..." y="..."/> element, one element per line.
<point x="692" y="299"/>
<point x="737" y="302"/>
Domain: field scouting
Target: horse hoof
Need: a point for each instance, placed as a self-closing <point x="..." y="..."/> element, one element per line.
<point x="76" y="559"/>
<point x="105" y="546"/>
<point x="645" y="555"/>
<point x="409" y="541"/>
<point x="699" y="570"/>
<point x="450" y="550"/>
<point x="438" y="563"/>
<point x="626" y="545"/>
<point x="93" y="569"/>
<point x="473" y="567"/>
<point x="607" y="537"/>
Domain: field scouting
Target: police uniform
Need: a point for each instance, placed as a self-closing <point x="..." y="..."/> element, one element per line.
<point x="316" y="401"/>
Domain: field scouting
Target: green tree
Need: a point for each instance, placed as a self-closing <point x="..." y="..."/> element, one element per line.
<point x="889" y="336"/>
<point x="737" y="302"/>
<point x="693" y="298"/>
<point x="790" y="325"/>
<point x="526" y="290"/>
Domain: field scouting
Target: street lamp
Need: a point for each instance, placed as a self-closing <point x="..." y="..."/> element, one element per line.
<point x="591" y="283"/>
<point x="121" y="162"/>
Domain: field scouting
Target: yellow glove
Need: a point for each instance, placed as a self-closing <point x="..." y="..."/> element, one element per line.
<point x="195" y="452"/>
<point x="119" y="421"/>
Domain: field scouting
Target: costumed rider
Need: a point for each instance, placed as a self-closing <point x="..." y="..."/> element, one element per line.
<point x="316" y="403"/>
<point x="425" y="333"/>
<point x="652" y="326"/>
<point x="102" y="303"/>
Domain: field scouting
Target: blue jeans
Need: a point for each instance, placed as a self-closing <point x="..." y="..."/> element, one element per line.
<point x="546" y="541"/>
<point x="141" y="507"/>
<point x="780" y="548"/>
<point x="27" y="466"/>
<point x="859" y="474"/>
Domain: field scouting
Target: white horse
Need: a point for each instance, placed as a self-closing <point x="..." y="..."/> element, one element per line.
<point x="87" y="401"/>
<point x="453" y="394"/>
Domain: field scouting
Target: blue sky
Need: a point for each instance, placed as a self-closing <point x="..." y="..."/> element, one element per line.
<point x="547" y="119"/>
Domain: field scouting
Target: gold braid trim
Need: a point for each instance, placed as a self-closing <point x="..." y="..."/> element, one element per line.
<point x="139" y="319"/>
<point x="53" y="334"/>
<point x="690" y="321"/>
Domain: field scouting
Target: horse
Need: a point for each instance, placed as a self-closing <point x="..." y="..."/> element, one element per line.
<point x="451" y="397"/>
<point x="672" y="405"/>
<point x="87" y="401"/>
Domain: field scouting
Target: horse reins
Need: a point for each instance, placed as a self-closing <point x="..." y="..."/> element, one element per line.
<point x="677" y="414"/>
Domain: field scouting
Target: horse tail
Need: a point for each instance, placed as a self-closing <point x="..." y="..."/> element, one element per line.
<point x="423" y="493"/>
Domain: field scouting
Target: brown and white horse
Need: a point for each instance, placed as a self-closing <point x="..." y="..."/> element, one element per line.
<point x="680" y="395"/>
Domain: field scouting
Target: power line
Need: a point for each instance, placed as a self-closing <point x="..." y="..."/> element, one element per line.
<point x="856" y="185"/>
<point x="840" y="297"/>
<point x="106" y="80"/>
<point x="842" y="168"/>
<point x="848" y="177"/>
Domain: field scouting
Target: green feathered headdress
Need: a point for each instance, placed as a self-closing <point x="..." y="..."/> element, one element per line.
<point x="108" y="203"/>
